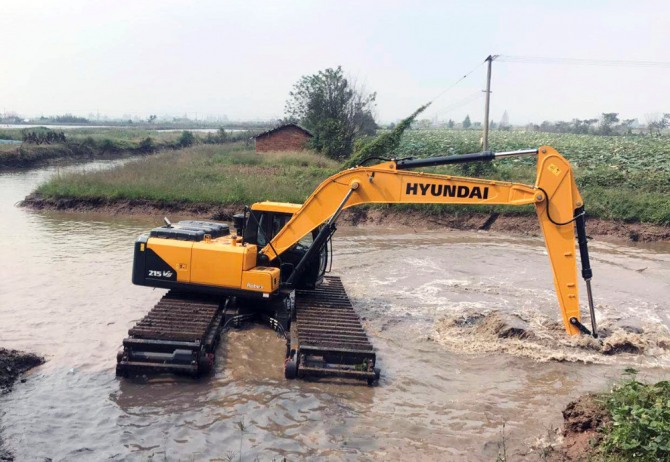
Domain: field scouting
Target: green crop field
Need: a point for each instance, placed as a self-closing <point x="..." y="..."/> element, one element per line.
<point x="624" y="153"/>
<point x="620" y="177"/>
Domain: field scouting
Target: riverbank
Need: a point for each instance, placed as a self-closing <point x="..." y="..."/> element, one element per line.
<point x="207" y="178"/>
<point x="374" y="216"/>
<point x="628" y="422"/>
<point x="41" y="146"/>
<point x="12" y="364"/>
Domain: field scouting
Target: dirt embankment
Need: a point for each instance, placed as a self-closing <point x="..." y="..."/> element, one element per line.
<point x="583" y="421"/>
<point x="34" y="156"/>
<point x="12" y="364"/>
<point x="512" y="224"/>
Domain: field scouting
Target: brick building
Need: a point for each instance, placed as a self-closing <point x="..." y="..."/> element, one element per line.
<point x="288" y="137"/>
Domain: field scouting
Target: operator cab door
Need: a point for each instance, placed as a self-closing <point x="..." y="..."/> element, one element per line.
<point x="262" y="227"/>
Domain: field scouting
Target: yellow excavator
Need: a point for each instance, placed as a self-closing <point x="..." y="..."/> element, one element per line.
<point x="273" y="266"/>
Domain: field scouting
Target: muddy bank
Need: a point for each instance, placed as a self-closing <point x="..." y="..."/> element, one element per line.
<point x="12" y="364"/>
<point x="510" y="224"/>
<point x="59" y="154"/>
<point x="579" y="436"/>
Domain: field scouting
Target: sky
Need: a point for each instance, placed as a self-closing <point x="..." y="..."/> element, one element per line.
<point x="240" y="59"/>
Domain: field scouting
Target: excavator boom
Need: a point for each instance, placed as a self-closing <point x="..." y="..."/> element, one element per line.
<point x="557" y="201"/>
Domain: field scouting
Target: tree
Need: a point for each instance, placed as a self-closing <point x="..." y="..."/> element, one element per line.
<point x="607" y="121"/>
<point x="466" y="121"/>
<point x="152" y="118"/>
<point x="451" y="123"/>
<point x="422" y="124"/>
<point x="504" y="121"/>
<point x="333" y="109"/>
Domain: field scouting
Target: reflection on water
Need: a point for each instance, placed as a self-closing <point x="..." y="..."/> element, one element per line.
<point x="65" y="293"/>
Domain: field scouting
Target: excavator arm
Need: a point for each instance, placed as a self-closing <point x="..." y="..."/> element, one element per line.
<point x="557" y="201"/>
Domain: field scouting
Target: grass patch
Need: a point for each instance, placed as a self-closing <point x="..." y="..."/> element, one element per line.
<point x="210" y="174"/>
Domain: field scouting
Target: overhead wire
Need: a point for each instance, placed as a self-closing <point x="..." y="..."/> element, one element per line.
<point x="450" y="87"/>
<point x="581" y="61"/>
<point x="460" y="103"/>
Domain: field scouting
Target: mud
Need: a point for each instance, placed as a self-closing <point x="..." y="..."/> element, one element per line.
<point x="511" y="224"/>
<point x="12" y="364"/>
<point x="583" y="420"/>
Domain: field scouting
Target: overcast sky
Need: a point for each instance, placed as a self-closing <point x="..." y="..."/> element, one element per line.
<point x="241" y="58"/>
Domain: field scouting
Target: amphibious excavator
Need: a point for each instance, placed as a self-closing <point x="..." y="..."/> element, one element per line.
<point x="273" y="266"/>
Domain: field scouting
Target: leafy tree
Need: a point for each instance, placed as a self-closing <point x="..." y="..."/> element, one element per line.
<point x="451" y="123"/>
<point x="607" y="122"/>
<point x="466" y="122"/>
<point x="333" y="109"/>
<point x="152" y="118"/>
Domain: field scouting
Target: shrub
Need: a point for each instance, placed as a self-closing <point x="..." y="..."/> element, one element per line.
<point x="186" y="139"/>
<point x="147" y="145"/>
<point x="640" y="426"/>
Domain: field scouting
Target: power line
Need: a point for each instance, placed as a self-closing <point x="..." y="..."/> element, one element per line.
<point x="582" y="62"/>
<point x="456" y="82"/>
<point x="459" y="103"/>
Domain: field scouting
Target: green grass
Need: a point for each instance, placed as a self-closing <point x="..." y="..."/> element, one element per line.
<point x="211" y="174"/>
<point x="622" y="178"/>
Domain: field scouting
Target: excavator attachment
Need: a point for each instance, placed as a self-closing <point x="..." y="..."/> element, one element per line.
<point x="557" y="201"/>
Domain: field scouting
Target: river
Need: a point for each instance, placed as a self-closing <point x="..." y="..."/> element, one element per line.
<point x="445" y="392"/>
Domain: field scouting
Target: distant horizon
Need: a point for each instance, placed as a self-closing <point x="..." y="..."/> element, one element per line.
<point x="174" y="119"/>
<point x="241" y="58"/>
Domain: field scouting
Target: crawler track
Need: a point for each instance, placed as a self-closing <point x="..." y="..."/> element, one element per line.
<point x="327" y="338"/>
<point x="179" y="335"/>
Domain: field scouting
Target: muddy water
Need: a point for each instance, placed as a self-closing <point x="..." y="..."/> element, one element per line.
<point x="65" y="292"/>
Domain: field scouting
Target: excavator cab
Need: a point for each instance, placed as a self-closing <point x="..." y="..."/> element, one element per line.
<point x="261" y="222"/>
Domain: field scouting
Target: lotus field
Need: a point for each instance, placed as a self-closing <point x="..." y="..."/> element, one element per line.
<point x="620" y="177"/>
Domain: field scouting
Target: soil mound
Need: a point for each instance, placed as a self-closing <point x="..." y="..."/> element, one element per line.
<point x="582" y="421"/>
<point x="14" y="363"/>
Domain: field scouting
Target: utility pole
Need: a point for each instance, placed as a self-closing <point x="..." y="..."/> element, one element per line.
<point x="489" y="59"/>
